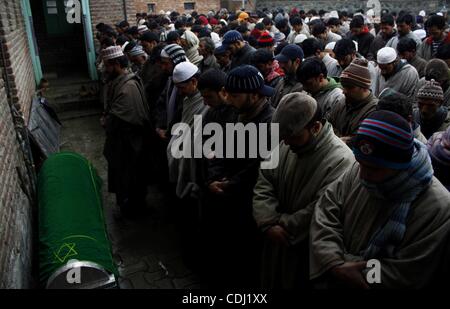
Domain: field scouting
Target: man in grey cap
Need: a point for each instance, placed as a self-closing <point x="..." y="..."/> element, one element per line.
<point x="311" y="157"/>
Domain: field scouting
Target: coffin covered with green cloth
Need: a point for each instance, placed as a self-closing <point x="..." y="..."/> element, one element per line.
<point x="74" y="250"/>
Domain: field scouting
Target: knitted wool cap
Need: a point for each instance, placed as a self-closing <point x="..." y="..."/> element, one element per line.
<point x="294" y="112"/>
<point x="231" y="37"/>
<point x="256" y="33"/>
<point x="265" y="40"/>
<point x="112" y="52"/>
<point x="431" y="91"/>
<point x="203" y="20"/>
<point x="357" y="74"/>
<point x="386" y="140"/>
<point x="243" y="16"/>
<point x="142" y="29"/>
<point x="247" y="79"/>
<point x="174" y="52"/>
<point x="137" y="51"/>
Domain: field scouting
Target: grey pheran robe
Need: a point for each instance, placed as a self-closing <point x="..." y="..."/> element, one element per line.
<point x="346" y="217"/>
<point x="287" y="195"/>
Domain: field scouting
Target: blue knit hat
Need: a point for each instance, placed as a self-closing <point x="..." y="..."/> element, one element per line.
<point x="247" y="79"/>
<point x="386" y="140"/>
<point x="231" y="37"/>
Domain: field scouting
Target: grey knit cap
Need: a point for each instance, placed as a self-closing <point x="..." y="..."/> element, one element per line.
<point x="431" y="91"/>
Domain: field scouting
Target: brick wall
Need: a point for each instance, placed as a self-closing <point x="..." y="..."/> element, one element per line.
<point x="112" y="11"/>
<point x="15" y="208"/>
<point x="201" y="6"/>
<point x="19" y="66"/>
<point x="232" y="5"/>
<point x="106" y="11"/>
<point x="352" y="5"/>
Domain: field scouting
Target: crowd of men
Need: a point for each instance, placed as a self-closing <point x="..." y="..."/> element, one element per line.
<point x="361" y="104"/>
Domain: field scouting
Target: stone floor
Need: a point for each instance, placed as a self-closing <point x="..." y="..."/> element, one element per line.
<point x="147" y="252"/>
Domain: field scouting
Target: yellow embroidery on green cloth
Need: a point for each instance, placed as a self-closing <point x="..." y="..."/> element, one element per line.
<point x="65" y="251"/>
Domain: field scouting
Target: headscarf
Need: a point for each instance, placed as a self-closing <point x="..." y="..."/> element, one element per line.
<point x="192" y="47"/>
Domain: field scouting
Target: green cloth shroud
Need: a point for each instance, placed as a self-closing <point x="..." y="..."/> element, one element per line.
<point x="71" y="221"/>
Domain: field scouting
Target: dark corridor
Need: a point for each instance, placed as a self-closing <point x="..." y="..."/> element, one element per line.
<point x="61" y="45"/>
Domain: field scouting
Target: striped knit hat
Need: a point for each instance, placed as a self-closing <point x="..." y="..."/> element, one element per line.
<point x="142" y="29"/>
<point x="137" y="51"/>
<point x="431" y="91"/>
<point x="247" y="79"/>
<point x="265" y="40"/>
<point x="386" y="140"/>
<point x="357" y="74"/>
<point x="174" y="52"/>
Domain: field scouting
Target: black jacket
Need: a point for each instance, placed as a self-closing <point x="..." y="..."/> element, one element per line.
<point x="243" y="56"/>
<point x="242" y="173"/>
<point x="378" y="43"/>
<point x="364" y="42"/>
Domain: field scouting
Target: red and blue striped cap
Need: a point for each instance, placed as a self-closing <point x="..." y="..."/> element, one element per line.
<point x="384" y="139"/>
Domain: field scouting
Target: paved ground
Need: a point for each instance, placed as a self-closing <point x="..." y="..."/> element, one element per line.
<point x="147" y="252"/>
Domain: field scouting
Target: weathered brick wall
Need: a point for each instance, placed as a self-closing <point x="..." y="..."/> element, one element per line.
<point x="18" y="65"/>
<point x="201" y="6"/>
<point x="15" y="208"/>
<point x="353" y="5"/>
<point x="237" y="5"/>
<point x="106" y="11"/>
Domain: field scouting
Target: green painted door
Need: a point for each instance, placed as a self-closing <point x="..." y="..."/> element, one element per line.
<point x="55" y="14"/>
<point x="32" y="43"/>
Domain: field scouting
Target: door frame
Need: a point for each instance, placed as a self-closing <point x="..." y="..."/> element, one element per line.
<point x="89" y="39"/>
<point x="32" y="42"/>
<point x="87" y="34"/>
